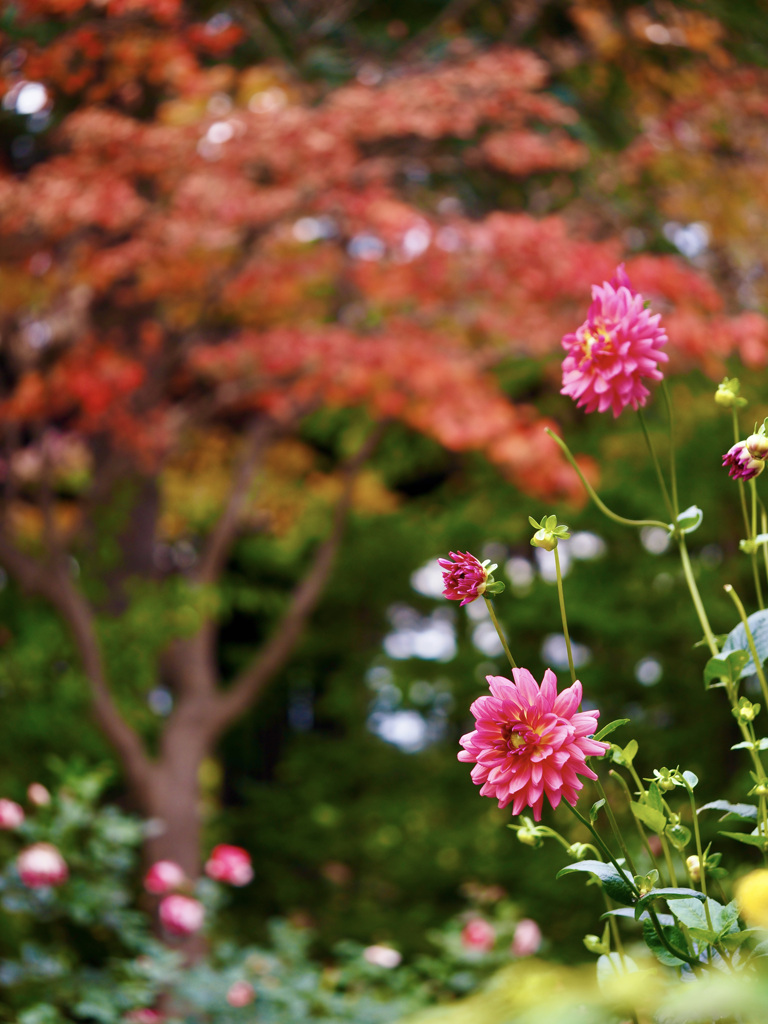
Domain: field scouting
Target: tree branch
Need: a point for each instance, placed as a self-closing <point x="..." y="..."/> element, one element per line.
<point x="223" y="534"/>
<point x="54" y="583"/>
<point x="245" y="689"/>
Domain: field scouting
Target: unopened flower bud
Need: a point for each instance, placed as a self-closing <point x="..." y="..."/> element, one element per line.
<point x="694" y="867"/>
<point x="757" y="446"/>
<point x="544" y="539"/>
<point x="595" y="944"/>
<point x="745" y="711"/>
<point x="578" y="851"/>
<point x="741" y="464"/>
<point x="727" y="394"/>
<point x="548" y="532"/>
<point x="528" y="837"/>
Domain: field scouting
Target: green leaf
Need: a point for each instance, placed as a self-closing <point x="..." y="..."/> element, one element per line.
<point x="534" y="524"/>
<point x="655" y="820"/>
<point x="689" y="520"/>
<point x="666" y="894"/>
<point x="616" y="886"/>
<point x="759" y="841"/>
<point x="737" y="641"/>
<point x="746" y="811"/>
<point x="609" y="728"/>
<point x="691" y="779"/>
<point x="762" y="744"/>
<point x="611" y="966"/>
<point x="629" y="913"/>
<point x="693" y="915"/>
<point x="654" y="798"/>
<point x="594" y="809"/>
<point x="679" y="836"/>
<point x="674" y="937"/>
<point x="727" y="665"/>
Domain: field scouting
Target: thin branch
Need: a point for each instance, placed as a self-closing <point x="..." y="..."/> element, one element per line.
<point x="223" y="534"/>
<point x="245" y="689"/>
<point x="54" y="583"/>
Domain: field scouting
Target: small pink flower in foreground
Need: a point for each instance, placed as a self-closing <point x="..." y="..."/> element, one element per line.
<point x="230" y="864"/>
<point x="145" y="1016"/>
<point x="742" y="464"/>
<point x="527" y="938"/>
<point x="163" y="877"/>
<point x="38" y="795"/>
<point x="41" y="865"/>
<point x="241" y="993"/>
<point x="181" y="915"/>
<point x="614" y="350"/>
<point x="11" y="814"/>
<point x="531" y="742"/>
<point x="478" y="934"/>
<point x="382" y="956"/>
<point x="466" y="578"/>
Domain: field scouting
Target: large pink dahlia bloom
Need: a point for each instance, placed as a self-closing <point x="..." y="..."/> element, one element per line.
<point x="531" y="742"/>
<point x="614" y="350"/>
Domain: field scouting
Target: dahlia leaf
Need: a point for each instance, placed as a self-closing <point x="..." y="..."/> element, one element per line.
<point x="594" y="809"/>
<point x="674" y="937"/>
<point x="737" y="641"/>
<point x="679" y="836"/>
<point x="655" y="820"/>
<point x="691" y="778"/>
<point x="727" y="665"/>
<point x="617" y="887"/>
<point x="761" y="744"/>
<point x="669" y="893"/>
<point x="689" y="520"/>
<point x="609" y="965"/>
<point x="747" y="812"/>
<point x="741" y="837"/>
<point x="609" y="728"/>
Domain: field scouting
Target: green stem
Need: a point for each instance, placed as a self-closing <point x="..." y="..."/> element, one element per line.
<point x="750" y="640"/>
<point x="656" y="466"/>
<point x="672" y="466"/>
<point x="593" y="494"/>
<point x="699" y="851"/>
<point x="764" y="529"/>
<point x="695" y="595"/>
<point x="640" y="830"/>
<point x="614" y="827"/>
<point x="668" y="861"/>
<point x="753" y="534"/>
<point x="601" y="844"/>
<point x="500" y="631"/>
<point x="561" y="598"/>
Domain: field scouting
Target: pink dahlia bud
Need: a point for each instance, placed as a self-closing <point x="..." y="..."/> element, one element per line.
<point x="479" y="935"/>
<point x="41" y="865"/>
<point x="531" y="742"/>
<point x="616" y="348"/>
<point x="757" y="445"/>
<point x="11" y="814"/>
<point x="38" y="795"/>
<point x="181" y="915"/>
<point x="742" y="465"/>
<point x="527" y="938"/>
<point x="164" y="876"/>
<point x="241" y="993"/>
<point x="466" y="578"/>
<point x="382" y="956"/>
<point x="230" y="864"/>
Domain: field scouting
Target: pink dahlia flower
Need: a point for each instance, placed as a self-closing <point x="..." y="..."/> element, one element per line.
<point x="181" y="915"/>
<point x="164" y="876"/>
<point x="465" y="577"/>
<point x="241" y="993"/>
<point x="742" y="464"/>
<point x="40" y="865"/>
<point x="531" y="742"/>
<point x="230" y="864"/>
<point x="527" y="938"/>
<point x="478" y="935"/>
<point x="614" y="350"/>
<point x="11" y="814"/>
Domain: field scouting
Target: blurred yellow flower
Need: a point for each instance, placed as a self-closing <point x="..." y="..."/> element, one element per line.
<point x="752" y="897"/>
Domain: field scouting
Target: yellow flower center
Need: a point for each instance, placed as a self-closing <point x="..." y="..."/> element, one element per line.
<point x="593" y="336"/>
